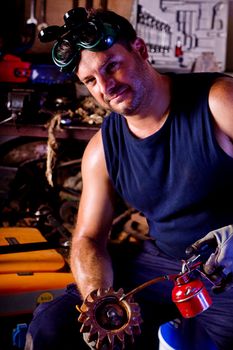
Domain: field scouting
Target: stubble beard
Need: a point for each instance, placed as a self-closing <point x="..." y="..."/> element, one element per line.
<point x="132" y="106"/>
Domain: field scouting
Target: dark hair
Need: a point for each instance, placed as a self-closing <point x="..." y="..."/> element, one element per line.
<point x="126" y="34"/>
<point x="126" y="31"/>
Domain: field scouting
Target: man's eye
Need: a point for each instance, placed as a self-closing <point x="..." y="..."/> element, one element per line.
<point x="89" y="81"/>
<point x="111" y="67"/>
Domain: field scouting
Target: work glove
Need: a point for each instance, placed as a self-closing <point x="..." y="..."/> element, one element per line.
<point x="219" y="265"/>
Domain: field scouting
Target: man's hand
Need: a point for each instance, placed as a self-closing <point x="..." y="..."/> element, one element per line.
<point x="221" y="261"/>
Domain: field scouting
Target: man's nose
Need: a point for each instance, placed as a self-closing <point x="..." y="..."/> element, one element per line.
<point x="107" y="84"/>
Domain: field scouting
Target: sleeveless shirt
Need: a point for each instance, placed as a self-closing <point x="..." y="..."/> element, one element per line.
<point x="179" y="177"/>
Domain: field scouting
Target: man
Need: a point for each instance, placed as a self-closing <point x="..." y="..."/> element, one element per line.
<point x="167" y="150"/>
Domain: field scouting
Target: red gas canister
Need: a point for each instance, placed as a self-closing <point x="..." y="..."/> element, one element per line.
<point x="190" y="296"/>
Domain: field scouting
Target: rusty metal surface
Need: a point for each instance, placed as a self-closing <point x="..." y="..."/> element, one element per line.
<point x="109" y="320"/>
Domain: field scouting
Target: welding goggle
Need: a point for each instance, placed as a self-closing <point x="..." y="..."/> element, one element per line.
<point x="78" y="33"/>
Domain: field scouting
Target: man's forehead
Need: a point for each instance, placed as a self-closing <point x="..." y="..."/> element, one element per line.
<point x="96" y="60"/>
<point x="91" y="60"/>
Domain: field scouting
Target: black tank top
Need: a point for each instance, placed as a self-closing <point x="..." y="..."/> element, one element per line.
<point x="179" y="177"/>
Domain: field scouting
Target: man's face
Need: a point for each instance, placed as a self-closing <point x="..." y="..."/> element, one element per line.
<point x="115" y="78"/>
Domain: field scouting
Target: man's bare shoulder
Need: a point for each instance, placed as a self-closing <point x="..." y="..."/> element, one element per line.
<point x="221" y="104"/>
<point x="93" y="156"/>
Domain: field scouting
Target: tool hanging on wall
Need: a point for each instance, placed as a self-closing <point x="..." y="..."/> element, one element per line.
<point x="43" y="23"/>
<point x="89" y="4"/>
<point x="29" y="32"/>
<point x="217" y="23"/>
<point x="75" y="3"/>
<point x="32" y="19"/>
<point x="104" y="4"/>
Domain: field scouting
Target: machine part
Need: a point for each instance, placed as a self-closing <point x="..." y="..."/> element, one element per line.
<point x="109" y="318"/>
<point x="68" y="211"/>
<point x="23" y="104"/>
<point x="112" y="318"/>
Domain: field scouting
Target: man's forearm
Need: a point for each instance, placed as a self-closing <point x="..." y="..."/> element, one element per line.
<point x="91" y="266"/>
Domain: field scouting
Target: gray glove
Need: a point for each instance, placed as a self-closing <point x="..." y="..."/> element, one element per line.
<point x="91" y="344"/>
<point x="221" y="261"/>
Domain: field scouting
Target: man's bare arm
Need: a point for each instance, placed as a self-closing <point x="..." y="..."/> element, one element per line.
<point x="221" y="106"/>
<point x="90" y="261"/>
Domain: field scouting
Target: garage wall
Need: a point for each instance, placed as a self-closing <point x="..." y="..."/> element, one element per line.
<point x="55" y="11"/>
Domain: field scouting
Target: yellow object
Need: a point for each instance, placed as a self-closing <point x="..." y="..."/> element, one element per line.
<point x="45" y="281"/>
<point x="44" y="297"/>
<point x="21" y="293"/>
<point x="35" y="261"/>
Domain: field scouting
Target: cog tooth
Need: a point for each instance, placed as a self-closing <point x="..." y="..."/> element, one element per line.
<point x="101" y="335"/>
<point x="140" y="320"/>
<point x="135" y="321"/>
<point x="120" y="290"/>
<point x="88" y="304"/>
<point x="135" y="307"/>
<point x="137" y="330"/>
<point x="88" y="314"/>
<point x="131" y="338"/>
<point x="92" y="330"/>
<point x="100" y="291"/>
<point x="92" y="335"/>
<point x="82" y="308"/>
<point x="111" y="338"/>
<point x="88" y="322"/>
<point x="128" y="330"/>
<point x="93" y="294"/>
<point x="119" y="293"/>
<point x="98" y="343"/>
<point x="101" y="339"/>
<point x="83" y="328"/>
<point x="82" y="317"/>
<point x="110" y="290"/>
<point x="121" y="336"/>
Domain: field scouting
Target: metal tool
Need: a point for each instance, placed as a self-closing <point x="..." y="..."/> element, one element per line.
<point x="32" y="19"/>
<point x="43" y="23"/>
<point x="217" y="23"/>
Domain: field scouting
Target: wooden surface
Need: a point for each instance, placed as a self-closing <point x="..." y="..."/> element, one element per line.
<point x="81" y="132"/>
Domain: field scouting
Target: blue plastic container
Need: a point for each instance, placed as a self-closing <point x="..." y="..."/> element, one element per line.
<point x="175" y="335"/>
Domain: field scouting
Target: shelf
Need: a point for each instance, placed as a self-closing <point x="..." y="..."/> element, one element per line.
<point x="78" y="132"/>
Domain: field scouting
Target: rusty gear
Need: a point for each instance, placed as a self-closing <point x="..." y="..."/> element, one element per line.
<point x="110" y="318"/>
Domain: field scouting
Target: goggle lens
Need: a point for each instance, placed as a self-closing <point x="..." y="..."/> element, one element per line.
<point x="89" y="35"/>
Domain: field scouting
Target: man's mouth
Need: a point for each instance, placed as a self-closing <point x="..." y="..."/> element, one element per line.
<point x="118" y="96"/>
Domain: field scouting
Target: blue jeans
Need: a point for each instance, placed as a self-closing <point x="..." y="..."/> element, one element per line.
<point x="55" y="326"/>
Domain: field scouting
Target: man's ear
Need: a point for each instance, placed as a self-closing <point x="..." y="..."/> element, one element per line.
<point x="140" y="46"/>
